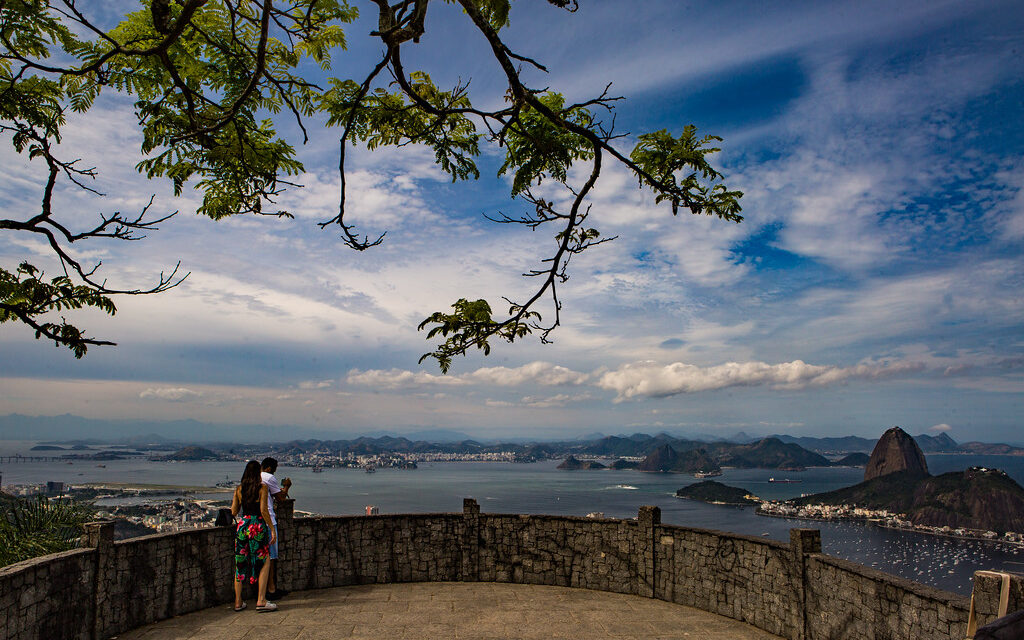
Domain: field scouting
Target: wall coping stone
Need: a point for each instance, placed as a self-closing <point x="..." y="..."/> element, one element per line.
<point x="32" y="563"/>
<point x="776" y="544"/>
<point x="918" y="589"/>
<point x="384" y="516"/>
<point x="519" y="516"/>
<point x="185" y="533"/>
<point x="549" y="518"/>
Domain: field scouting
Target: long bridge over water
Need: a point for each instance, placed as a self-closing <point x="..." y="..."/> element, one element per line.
<point x="17" y="458"/>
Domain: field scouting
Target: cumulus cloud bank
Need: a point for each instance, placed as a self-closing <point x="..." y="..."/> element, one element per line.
<point x="654" y="380"/>
<point x="536" y="372"/>
<point x="543" y="373"/>
<point x="644" y="379"/>
<point x="396" y="378"/>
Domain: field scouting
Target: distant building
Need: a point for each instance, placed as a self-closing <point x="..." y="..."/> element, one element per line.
<point x="372" y="510"/>
<point x="54" y="488"/>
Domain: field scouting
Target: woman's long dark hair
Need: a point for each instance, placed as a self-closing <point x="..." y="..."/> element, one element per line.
<point x="251" y="483"/>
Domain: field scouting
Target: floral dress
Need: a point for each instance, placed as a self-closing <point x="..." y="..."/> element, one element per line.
<point x="252" y="545"/>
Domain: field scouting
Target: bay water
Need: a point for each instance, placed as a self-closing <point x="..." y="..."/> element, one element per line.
<point x="540" y="488"/>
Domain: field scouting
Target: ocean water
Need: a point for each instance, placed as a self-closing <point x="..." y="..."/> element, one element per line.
<point x="540" y="488"/>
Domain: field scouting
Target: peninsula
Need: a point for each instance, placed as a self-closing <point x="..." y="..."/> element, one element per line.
<point x="898" y="490"/>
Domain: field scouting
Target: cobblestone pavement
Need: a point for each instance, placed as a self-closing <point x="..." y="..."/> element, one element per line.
<point x="459" y="610"/>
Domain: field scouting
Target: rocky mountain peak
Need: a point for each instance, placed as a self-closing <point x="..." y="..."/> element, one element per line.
<point x="664" y="458"/>
<point x="895" y="451"/>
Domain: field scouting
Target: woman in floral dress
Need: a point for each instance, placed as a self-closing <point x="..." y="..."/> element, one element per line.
<point x="252" y="537"/>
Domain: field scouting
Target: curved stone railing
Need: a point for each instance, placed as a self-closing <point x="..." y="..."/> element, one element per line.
<point x="791" y="590"/>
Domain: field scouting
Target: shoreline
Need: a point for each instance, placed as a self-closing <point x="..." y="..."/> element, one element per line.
<point x="867" y="522"/>
<point x="135" y="486"/>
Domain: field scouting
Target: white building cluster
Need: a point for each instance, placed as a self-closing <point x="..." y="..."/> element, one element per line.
<point x="880" y="517"/>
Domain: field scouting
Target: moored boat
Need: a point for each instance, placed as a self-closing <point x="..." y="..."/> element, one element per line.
<point x="707" y="474"/>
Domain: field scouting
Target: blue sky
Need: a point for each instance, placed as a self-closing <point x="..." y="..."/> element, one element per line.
<point x="876" y="279"/>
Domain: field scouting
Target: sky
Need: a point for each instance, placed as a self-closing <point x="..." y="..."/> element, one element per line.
<point x="876" y="279"/>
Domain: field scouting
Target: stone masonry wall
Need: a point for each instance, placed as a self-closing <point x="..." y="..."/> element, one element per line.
<point x="740" y="577"/>
<point x="790" y="590"/>
<point x="848" y="600"/>
<point x="48" y="597"/>
<point x="566" y="552"/>
<point x="159" y="576"/>
<point x="337" y="551"/>
<point x="988" y="587"/>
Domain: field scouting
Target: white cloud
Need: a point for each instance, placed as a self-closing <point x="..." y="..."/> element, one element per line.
<point x="940" y="428"/>
<point x="543" y="373"/>
<point x="316" y="384"/>
<point x="538" y="372"/>
<point x="171" y="394"/>
<point x="653" y="380"/>
<point x="835" y="221"/>
<point x="397" y="378"/>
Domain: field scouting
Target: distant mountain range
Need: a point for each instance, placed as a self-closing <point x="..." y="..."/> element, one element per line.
<point x="170" y="435"/>
<point x="941" y="443"/>
<point x="686" y="456"/>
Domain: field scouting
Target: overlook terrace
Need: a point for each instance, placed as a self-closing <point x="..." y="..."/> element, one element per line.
<point x="765" y="587"/>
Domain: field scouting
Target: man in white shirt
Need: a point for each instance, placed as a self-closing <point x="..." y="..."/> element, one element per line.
<point x="276" y="491"/>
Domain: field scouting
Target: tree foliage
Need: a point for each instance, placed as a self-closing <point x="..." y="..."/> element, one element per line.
<point x="31" y="527"/>
<point x="208" y="78"/>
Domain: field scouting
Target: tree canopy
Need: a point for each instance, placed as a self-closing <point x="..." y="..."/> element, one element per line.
<point x="211" y="80"/>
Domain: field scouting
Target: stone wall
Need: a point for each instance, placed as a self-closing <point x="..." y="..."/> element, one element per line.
<point x="740" y="577"/>
<point x="565" y="552"/>
<point x="49" y="597"/>
<point x="159" y="576"/>
<point x="987" y="591"/>
<point x="848" y="600"/>
<point x="790" y="590"/>
<point x="337" y="551"/>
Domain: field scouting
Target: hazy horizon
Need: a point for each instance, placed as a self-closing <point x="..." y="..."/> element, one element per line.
<point x="69" y="428"/>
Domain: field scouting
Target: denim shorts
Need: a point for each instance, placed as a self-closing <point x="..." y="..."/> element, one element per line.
<point x="273" y="547"/>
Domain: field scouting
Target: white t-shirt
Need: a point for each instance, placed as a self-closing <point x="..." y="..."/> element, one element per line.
<point x="273" y="488"/>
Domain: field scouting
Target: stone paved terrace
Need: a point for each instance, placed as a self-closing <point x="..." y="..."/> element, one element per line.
<point x="453" y="610"/>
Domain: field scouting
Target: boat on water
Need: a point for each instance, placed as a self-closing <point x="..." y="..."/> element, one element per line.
<point x="783" y="480"/>
<point x="707" y="474"/>
<point x="371" y="469"/>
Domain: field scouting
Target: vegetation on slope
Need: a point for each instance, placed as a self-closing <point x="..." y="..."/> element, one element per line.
<point x="38" y="526"/>
<point x="716" y="492"/>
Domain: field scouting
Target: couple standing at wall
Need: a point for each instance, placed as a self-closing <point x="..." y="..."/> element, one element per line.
<point x="256" y="535"/>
